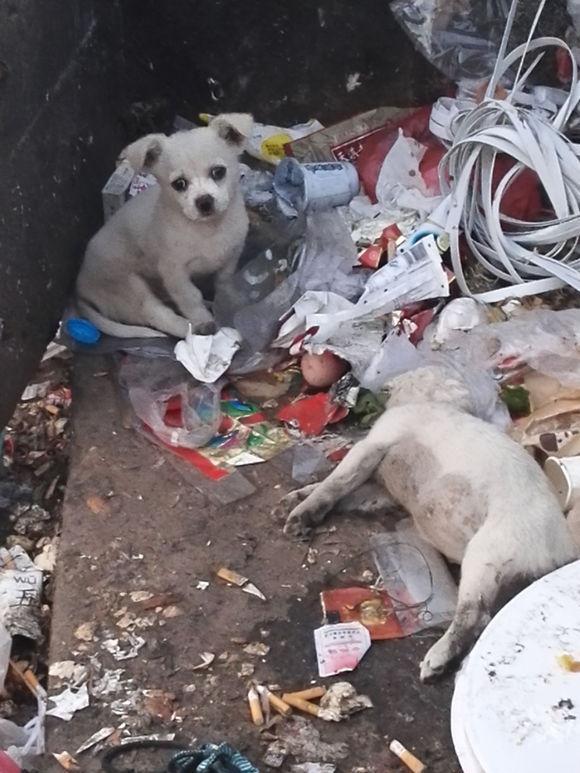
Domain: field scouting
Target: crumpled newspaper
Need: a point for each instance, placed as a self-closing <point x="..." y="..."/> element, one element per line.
<point x="20" y="589"/>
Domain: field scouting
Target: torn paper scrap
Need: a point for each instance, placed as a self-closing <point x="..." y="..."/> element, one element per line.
<point x="68" y="702"/>
<point x="125" y="648"/>
<point x="208" y="357"/>
<point x="340" y="647"/>
<point x="95" y="738"/>
<point x="341" y="701"/>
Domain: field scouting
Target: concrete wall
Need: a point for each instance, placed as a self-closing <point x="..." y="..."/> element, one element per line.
<point x="283" y="61"/>
<point x="59" y="132"/>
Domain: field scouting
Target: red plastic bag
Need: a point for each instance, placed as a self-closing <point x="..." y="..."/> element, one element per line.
<point x="523" y="199"/>
<point x="378" y="144"/>
<point x="7" y="764"/>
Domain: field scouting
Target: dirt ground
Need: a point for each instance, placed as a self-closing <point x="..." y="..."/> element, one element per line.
<point x="133" y="522"/>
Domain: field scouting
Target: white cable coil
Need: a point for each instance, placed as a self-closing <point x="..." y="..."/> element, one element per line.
<point x="530" y="256"/>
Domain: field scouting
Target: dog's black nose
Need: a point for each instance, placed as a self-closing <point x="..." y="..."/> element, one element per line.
<point x="205" y="204"/>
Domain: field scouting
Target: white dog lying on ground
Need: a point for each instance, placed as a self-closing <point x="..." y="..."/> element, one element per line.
<point x="472" y="492"/>
<point x="140" y="270"/>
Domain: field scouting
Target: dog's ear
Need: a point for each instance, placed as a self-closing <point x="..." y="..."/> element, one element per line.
<point x="143" y="154"/>
<point x="234" y="128"/>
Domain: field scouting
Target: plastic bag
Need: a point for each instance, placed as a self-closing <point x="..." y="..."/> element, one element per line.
<point x="415" y="577"/>
<point x="171" y="404"/>
<point x="398" y="356"/>
<point x="401" y="189"/>
<point x="377" y="146"/>
<point x="257" y="186"/>
<point x="545" y="340"/>
<point x="323" y="259"/>
<point x="24" y="744"/>
<point x="574" y="11"/>
<point x="460" y="38"/>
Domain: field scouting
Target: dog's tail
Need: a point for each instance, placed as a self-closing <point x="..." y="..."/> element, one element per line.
<point x="116" y="329"/>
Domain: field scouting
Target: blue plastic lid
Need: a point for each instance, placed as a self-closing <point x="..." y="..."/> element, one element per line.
<point x="82" y="330"/>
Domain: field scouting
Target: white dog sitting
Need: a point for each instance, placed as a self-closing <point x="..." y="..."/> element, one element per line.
<point x="472" y="492"/>
<point x="140" y="270"/>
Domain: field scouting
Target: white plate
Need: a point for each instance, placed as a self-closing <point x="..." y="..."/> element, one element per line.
<point x="520" y="708"/>
<point x="463" y="749"/>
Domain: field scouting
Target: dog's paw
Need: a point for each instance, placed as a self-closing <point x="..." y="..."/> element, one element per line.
<point x="297" y="525"/>
<point x="436" y="662"/>
<point x="280" y="512"/>
<point x="289" y="501"/>
<point x="204" y="327"/>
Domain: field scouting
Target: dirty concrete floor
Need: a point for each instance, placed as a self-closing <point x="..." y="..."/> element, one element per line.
<point x="158" y="531"/>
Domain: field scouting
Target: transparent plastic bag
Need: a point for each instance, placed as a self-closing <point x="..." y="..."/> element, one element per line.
<point x="322" y="260"/>
<point x="459" y="37"/>
<point x="177" y="409"/>
<point x="415" y="577"/>
<point x="547" y="341"/>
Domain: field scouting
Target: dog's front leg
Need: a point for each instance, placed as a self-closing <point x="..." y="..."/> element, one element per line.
<point x="189" y="301"/>
<point x="356" y="467"/>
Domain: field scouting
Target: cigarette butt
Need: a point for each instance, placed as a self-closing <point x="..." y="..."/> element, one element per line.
<point x="28" y="677"/>
<point x="255" y="707"/>
<point x="232" y="577"/>
<point x="307" y="695"/>
<point x="302" y="705"/>
<point x="276" y="703"/>
<point x="405" y="756"/>
<point x="31" y="680"/>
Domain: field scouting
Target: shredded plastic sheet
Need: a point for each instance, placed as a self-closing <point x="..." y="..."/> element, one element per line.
<point x="413" y="275"/>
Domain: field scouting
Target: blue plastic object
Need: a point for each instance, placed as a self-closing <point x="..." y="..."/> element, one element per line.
<point x="421" y="234"/>
<point x="82" y="330"/>
<point x="211" y="758"/>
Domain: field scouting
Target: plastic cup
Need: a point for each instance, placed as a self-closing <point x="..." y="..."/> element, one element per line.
<point x="315" y="187"/>
<point x="564" y="475"/>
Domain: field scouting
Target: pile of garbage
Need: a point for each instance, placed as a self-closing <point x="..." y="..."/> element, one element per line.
<point x="392" y="239"/>
<point x="403" y="236"/>
<point x="33" y="473"/>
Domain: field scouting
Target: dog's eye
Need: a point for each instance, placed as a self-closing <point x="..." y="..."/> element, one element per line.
<point x="217" y="173"/>
<point x="180" y="184"/>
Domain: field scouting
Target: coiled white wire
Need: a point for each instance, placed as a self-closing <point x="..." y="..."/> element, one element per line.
<point x="540" y="255"/>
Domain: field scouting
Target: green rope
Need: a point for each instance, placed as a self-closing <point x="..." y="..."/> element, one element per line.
<point x="209" y="758"/>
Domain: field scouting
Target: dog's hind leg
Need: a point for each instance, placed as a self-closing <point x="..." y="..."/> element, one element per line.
<point x="155" y="313"/>
<point x="356" y="468"/>
<point x="488" y="567"/>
